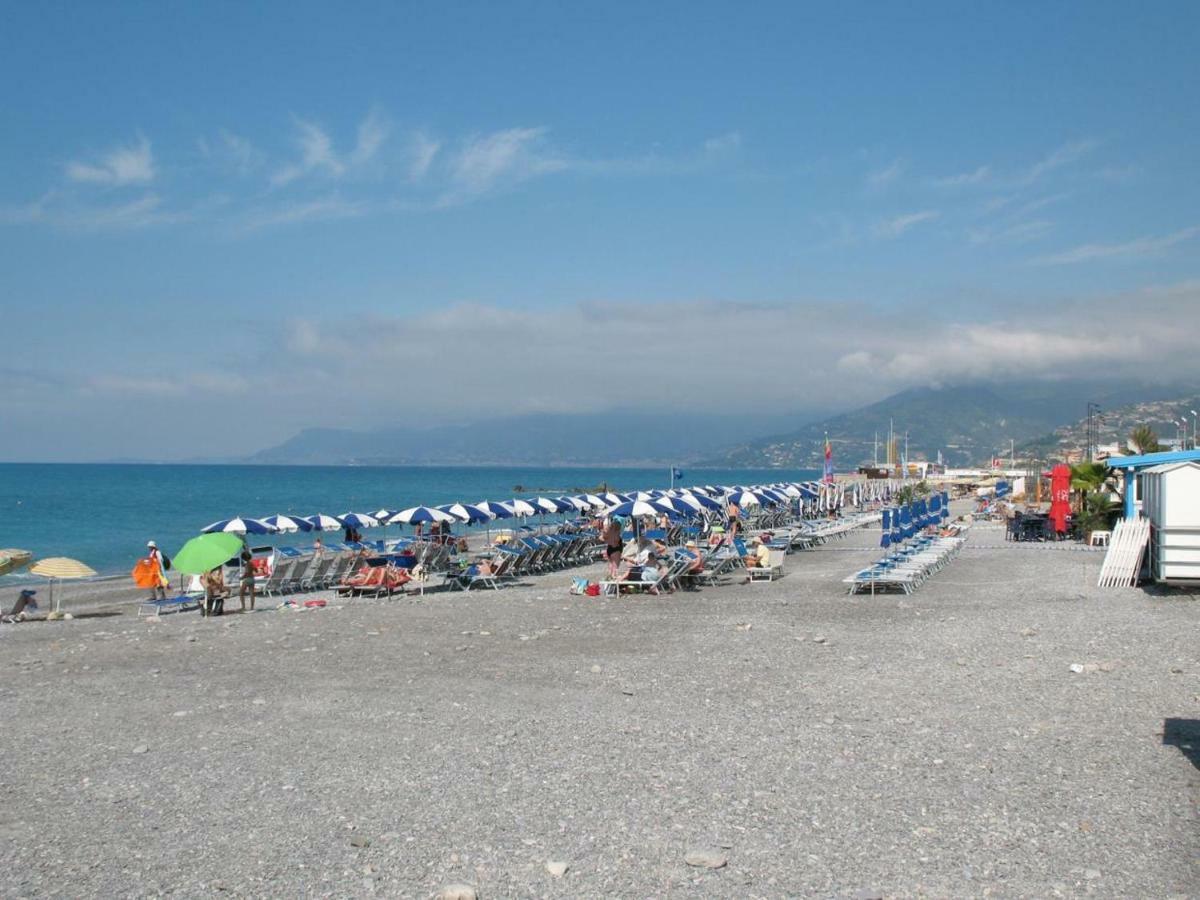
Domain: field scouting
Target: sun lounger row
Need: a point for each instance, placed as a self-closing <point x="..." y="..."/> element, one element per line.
<point x="908" y="568"/>
<point x="524" y="556"/>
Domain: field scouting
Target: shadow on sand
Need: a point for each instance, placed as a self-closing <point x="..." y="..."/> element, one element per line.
<point x="1184" y="734"/>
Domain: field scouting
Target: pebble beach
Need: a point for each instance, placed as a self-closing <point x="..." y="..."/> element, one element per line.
<point x="1008" y="730"/>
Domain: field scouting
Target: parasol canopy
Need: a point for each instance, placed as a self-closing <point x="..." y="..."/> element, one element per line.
<point x="61" y="567"/>
<point x="206" y="552"/>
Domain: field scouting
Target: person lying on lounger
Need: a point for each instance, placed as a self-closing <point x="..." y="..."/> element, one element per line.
<point x="759" y="556"/>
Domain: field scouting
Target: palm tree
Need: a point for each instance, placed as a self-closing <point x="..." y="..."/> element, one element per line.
<point x="1095" y="510"/>
<point x="1143" y="440"/>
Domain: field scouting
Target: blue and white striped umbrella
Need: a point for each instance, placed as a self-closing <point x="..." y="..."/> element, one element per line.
<point x="545" y="504"/>
<point x="637" y="508"/>
<point x="745" y="498"/>
<point x="417" y="514"/>
<point x="706" y="501"/>
<point x="593" y="501"/>
<point x="496" y="508"/>
<point x="466" y="513"/>
<point x="523" y="508"/>
<point x="288" y="524"/>
<point x="240" y="526"/>
<point x="322" y="522"/>
<point x="358" y="520"/>
<point x="576" y="503"/>
<point x="383" y="514"/>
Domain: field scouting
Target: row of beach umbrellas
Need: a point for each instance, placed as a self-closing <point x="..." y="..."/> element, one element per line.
<point x="691" y="501"/>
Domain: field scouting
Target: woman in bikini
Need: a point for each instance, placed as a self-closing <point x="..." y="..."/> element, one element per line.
<point x="613" y="545"/>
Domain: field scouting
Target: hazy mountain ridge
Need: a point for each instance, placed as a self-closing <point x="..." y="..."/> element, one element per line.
<point x="613" y="438"/>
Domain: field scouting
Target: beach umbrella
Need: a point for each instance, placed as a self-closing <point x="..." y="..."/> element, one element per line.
<point x="240" y="526"/>
<point x="576" y="503"/>
<point x="638" y="508"/>
<point x="593" y="501"/>
<point x="383" y="514"/>
<point x="496" y="508"/>
<point x="945" y="505"/>
<point x="545" y="504"/>
<point x="885" y="539"/>
<point x="466" y="513"/>
<point x="206" y="552"/>
<point x="745" y="498"/>
<point x="358" y="520"/>
<point x="286" y="524"/>
<point x="523" y="508"/>
<point x="322" y="522"/>
<point x="706" y="501"/>
<point x="58" y="568"/>
<point x="12" y="559"/>
<point x="417" y="514"/>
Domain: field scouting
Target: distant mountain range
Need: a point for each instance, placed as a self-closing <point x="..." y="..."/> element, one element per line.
<point x="968" y="424"/>
<point x="611" y="439"/>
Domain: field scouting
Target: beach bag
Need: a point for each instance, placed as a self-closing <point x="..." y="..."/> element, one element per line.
<point x="592" y="590"/>
<point x="579" y="586"/>
<point x="166" y="561"/>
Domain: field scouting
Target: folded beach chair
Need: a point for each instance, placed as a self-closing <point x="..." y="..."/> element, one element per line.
<point x="178" y="603"/>
<point x="281" y="574"/>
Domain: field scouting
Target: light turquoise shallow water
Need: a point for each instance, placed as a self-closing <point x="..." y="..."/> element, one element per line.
<point x="104" y="514"/>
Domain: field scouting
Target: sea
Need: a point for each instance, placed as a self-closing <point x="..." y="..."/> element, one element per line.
<point x="104" y="514"/>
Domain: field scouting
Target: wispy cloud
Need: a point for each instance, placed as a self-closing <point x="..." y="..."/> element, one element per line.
<point x="1019" y="233"/>
<point x="323" y="209"/>
<point x="318" y="155"/>
<point x="166" y="386"/>
<point x="132" y="164"/>
<point x="372" y="132"/>
<point x="422" y="151"/>
<point x="67" y="212"/>
<point x="513" y="154"/>
<point x="1058" y="158"/>
<point x="888" y="175"/>
<point x="1139" y="248"/>
<point x="898" y="225"/>
<point x="964" y="179"/>
<point x="232" y="151"/>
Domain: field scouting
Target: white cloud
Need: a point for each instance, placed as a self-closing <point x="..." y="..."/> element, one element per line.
<point x="67" y="212"/>
<point x="166" y="385"/>
<point x="321" y="209"/>
<point x="232" y="151"/>
<point x="1139" y="248"/>
<point x="372" y="132"/>
<point x="1019" y="233"/>
<point x="881" y="178"/>
<point x="965" y="179"/>
<point x="316" y="154"/>
<point x="133" y="164"/>
<point x="898" y="225"/>
<point x="511" y="155"/>
<point x="853" y="352"/>
<point x="1058" y="158"/>
<point x="422" y="151"/>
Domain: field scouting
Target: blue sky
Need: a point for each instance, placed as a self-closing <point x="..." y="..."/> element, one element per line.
<point x="286" y="215"/>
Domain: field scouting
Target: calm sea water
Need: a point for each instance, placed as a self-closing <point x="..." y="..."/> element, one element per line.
<point x="104" y="514"/>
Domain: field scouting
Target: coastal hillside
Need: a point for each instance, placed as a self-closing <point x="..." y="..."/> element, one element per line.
<point x="967" y="424"/>
<point x="1114" y="424"/>
<point x="613" y="438"/>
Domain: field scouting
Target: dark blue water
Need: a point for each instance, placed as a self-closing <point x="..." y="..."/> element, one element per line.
<point x="104" y="514"/>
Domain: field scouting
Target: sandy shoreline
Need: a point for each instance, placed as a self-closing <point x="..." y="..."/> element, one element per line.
<point x="930" y="745"/>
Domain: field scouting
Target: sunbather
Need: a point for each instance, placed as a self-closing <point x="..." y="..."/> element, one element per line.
<point x="215" y="593"/>
<point x="24" y="601"/>
<point x="760" y="554"/>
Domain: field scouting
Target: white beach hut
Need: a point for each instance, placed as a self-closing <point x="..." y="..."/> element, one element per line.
<point x="1171" y="501"/>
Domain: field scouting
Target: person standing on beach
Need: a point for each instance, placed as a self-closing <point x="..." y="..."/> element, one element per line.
<point x="247" y="580"/>
<point x="159" y="591"/>
<point x="613" y="545"/>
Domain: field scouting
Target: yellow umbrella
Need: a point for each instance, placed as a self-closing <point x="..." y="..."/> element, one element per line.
<point x="60" y="567"/>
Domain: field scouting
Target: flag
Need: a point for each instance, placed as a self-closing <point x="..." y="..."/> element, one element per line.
<point x="828" y="460"/>
<point x="676" y="473"/>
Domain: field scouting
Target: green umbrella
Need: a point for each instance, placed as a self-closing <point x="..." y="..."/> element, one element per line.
<point x="206" y="552"/>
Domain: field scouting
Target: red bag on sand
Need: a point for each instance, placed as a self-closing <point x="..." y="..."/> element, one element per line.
<point x="313" y="604"/>
<point x="592" y="590"/>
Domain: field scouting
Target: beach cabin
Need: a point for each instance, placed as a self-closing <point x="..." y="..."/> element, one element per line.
<point x="1132" y="467"/>
<point x="1171" y="501"/>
